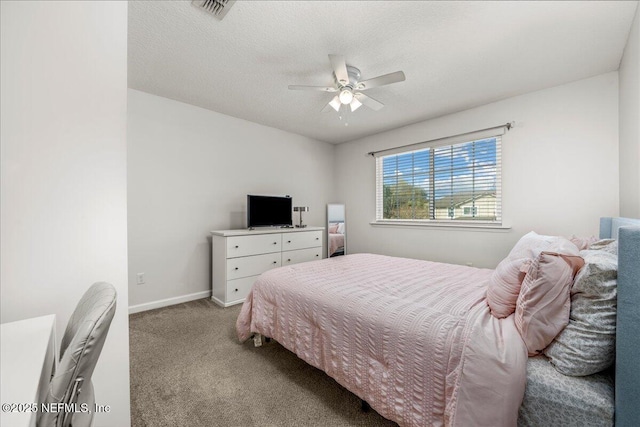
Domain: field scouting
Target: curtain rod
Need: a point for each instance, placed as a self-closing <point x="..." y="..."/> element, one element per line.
<point x="506" y="125"/>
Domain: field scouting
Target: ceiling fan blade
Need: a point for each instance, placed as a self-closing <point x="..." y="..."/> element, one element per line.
<point x="339" y="68"/>
<point x="368" y="101"/>
<point x="318" y="88"/>
<point x="386" y="79"/>
<point x="333" y="104"/>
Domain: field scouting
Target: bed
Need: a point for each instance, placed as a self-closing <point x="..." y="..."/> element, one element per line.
<point x="336" y="239"/>
<point x="417" y="341"/>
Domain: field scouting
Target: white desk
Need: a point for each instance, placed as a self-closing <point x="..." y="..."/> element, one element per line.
<point x="28" y="358"/>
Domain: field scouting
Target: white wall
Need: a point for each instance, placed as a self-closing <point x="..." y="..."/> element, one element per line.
<point x="560" y="173"/>
<point x="630" y="124"/>
<point x="63" y="157"/>
<point x="190" y="171"/>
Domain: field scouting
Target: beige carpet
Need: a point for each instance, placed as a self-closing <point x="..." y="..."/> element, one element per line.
<point x="188" y="369"/>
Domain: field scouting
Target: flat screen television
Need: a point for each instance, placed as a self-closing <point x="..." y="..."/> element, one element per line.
<point x="269" y="211"/>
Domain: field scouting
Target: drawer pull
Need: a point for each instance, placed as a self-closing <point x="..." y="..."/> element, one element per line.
<point x="289" y="260"/>
<point x="236" y="268"/>
<point x="288" y="241"/>
<point x="236" y="289"/>
<point x="237" y="246"/>
<point x="317" y="255"/>
<point x="275" y="262"/>
<point x="275" y="243"/>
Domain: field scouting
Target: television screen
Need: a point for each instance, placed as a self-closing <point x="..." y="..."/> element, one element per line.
<point x="264" y="211"/>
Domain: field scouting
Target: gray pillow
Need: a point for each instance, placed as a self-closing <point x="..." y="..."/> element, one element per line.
<point x="607" y="245"/>
<point x="587" y="345"/>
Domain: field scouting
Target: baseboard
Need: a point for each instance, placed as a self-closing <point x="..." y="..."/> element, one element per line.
<point x="169" y="301"/>
<point x="226" y="304"/>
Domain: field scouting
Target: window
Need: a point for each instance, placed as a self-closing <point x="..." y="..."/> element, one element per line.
<point x="470" y="210"/>
<point x="441" y="183"/>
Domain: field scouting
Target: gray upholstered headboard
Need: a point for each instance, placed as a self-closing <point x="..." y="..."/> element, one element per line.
<point x="627" y="231"/>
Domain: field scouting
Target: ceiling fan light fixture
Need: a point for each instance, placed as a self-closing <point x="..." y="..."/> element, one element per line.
<point x="346" y="96"/>
<point x="355" y="104"/>
<point x="335" y="103"/>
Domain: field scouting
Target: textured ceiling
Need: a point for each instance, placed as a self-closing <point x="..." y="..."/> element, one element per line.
<point x="455" y="55"/>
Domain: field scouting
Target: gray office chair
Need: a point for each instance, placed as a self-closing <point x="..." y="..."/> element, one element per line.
<point x="79" y="351"/>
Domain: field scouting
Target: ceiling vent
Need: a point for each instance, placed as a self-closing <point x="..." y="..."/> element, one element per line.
<point x="217" y="8"/>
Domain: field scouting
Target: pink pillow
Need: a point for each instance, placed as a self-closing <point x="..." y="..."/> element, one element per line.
<point x="333" y="228"/>
<point x="505" y="282"/>
<point x="504" y="286"/>
<point x="582" y="242"/>
<point x="542" y="309"/>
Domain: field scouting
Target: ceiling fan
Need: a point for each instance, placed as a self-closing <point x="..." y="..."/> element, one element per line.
<point x="349" y="87"/>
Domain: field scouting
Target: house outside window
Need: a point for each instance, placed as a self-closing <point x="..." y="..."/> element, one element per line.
<point x="449" y="183"/>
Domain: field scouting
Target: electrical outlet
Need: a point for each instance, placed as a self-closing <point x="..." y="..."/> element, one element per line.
<point x="140" y="277"/>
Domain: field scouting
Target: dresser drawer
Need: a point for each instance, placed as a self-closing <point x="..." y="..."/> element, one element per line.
<point x="252" y="265"/>
<point x="301" y="240"/>
<point x="301" y="255"/>
<point x="238" y="289"/>
<point x="252" y="245"/>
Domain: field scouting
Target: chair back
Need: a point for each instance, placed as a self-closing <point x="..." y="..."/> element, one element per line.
<point x="79" y="351"/>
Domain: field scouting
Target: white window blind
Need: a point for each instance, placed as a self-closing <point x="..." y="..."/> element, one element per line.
<point x="454" y="182"/>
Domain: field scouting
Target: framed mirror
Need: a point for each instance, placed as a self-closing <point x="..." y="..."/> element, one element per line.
<point x="336" y="230"/>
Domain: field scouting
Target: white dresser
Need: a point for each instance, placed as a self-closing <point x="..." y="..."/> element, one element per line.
<point x="240" y="256"/>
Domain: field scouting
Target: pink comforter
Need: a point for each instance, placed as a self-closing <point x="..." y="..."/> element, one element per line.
<point x="415" y="339"/>
<point x="336" y="241"/>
